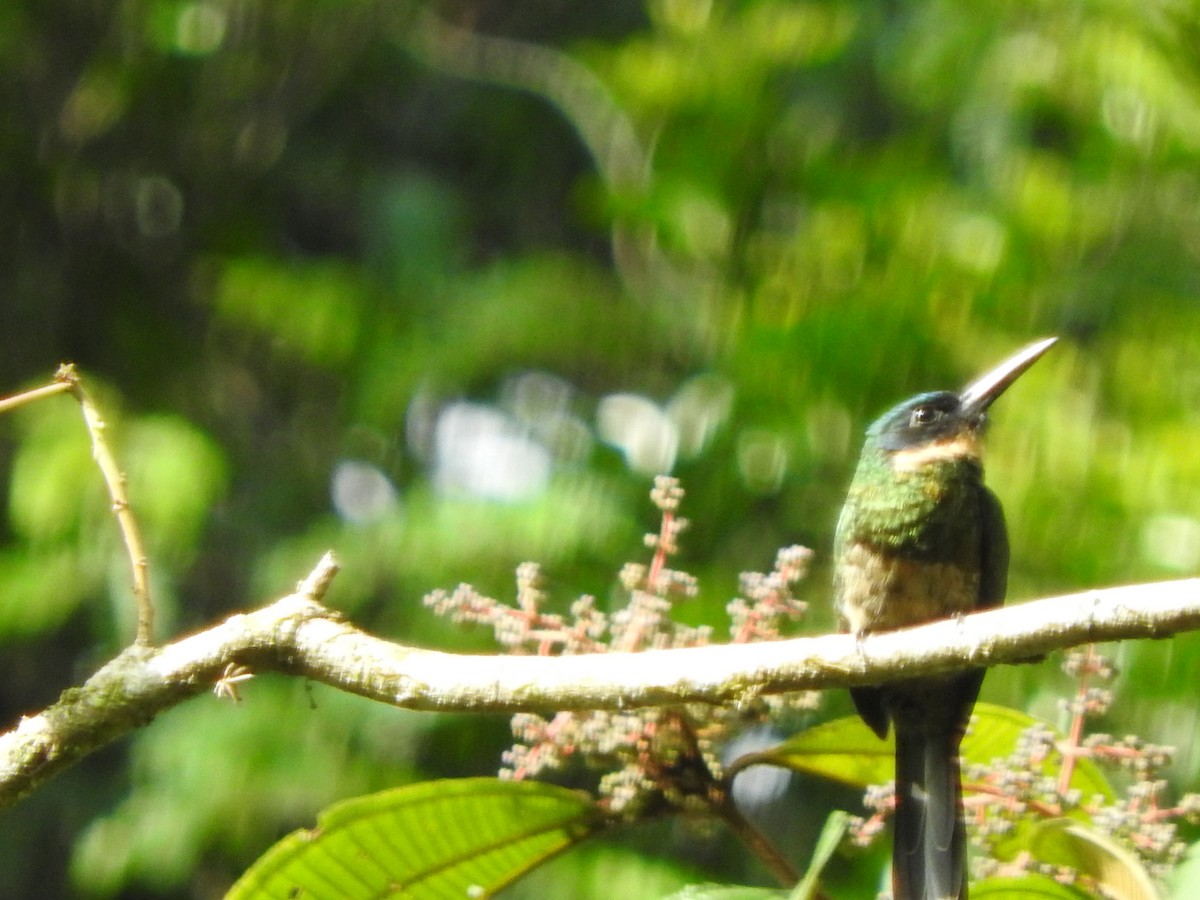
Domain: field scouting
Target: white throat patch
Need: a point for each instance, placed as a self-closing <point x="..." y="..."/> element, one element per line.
<point x="961" y="446"/>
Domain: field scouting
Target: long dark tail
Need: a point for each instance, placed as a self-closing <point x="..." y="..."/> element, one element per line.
<point x="929" y="844"/>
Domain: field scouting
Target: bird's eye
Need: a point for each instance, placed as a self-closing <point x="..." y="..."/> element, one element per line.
<point x="924" y="416"/>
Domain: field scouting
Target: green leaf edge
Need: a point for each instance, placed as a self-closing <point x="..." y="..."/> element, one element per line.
<point x="586" y="816"/>
<point x="849" y="737"/>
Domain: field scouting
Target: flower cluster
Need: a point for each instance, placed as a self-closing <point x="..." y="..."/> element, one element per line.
<point x="1036" y="785"/>
<point x="651" y="758"/>
<point x="523" y="627"/>
<point x="1138" y="818"/>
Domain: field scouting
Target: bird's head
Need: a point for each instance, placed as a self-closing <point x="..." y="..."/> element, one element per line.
<point x="944" y="426"/>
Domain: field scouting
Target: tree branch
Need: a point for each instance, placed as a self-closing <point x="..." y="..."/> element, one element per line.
<point x="67" y="380"/>
<point x="114" y="480"/>
<point x="297" y="635"/>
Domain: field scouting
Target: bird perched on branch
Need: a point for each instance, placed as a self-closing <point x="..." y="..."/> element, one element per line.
<point x="921" y="538"/>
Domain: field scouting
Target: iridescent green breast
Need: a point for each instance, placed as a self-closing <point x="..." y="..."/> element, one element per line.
<point x="931" y="513"/>
<point x="909" y="544"/>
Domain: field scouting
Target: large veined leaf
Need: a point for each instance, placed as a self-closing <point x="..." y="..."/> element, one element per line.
<point x="458" y="838"/>
<point x="846" y="750"/>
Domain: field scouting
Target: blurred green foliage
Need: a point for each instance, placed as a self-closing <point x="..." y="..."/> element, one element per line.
<point x="439" y="285"/>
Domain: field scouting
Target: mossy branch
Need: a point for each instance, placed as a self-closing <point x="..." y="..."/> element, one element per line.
<point x="298" y="635"/>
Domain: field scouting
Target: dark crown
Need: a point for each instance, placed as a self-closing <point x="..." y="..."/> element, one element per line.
<point x="923" y="419"/>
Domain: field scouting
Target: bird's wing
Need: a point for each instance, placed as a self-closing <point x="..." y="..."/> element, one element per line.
<point x="993" y="561"/>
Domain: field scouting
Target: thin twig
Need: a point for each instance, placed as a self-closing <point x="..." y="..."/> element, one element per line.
<point x="114" y="480"/>
<point x="49" y="390"/>
<point x="720" y="800"/>
<point x="758" y="843"/>
<point x="1079" y="716"/>
<point x="66" y="380"/>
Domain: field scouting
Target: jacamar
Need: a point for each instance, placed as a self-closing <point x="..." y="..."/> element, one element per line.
<point x="921" y="538"/>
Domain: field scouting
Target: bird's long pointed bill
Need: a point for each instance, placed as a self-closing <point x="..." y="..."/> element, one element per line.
<point x="978" y="395"/>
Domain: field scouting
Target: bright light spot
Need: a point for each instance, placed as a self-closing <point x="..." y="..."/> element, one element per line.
<point x="361" y="493"/>
<point x="543" y="402"/>
<point x="1129" y="117"/>
<point x="1172" y="541"/>
<point x="569" y="438"/>
<point x="757" y="785"/>
<point x="158" y="206"/>
<point x="762" y="460"/>
<point x="200" y="28"/>
<point x="685" y="16"/>
<point x="92" y="108"/>
<point x="705" y="226"/>
<point x="641" y="430"/>
<point x="698" y="410"/>
<point x="1030" y="58"/>
<point x="830" y="431"/>
<point x="976" y="243"/>
<point x="420" y="424"/>
<point x="261" y="141"/>
<point x="482" y="452"/>
<point x="534" y="397"/>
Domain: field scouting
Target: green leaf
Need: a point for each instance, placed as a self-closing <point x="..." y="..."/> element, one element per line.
<point x="827" y="843"/>
<point x="455" y="838"/>
<point x="1028" y="887"/>
<point x="725" y="892"/>
<point x="39" y="589"/>
<point x="176" y="474"/>
<point x="55" y="485"/>
<point x="993" y="737"/>
<point x="308" y="311"/>
<point x="601" y="870"/>
<point x="994" y="733"/>
<point x="1117" y="871"/>
<point x="846" y="750"/>
<point x="1185" y="877"/>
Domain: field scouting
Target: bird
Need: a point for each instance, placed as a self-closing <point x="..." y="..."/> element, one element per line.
<point x="920" y="537"/>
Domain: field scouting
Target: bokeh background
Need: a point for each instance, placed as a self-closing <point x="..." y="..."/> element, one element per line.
<point x="442" y="285"/>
